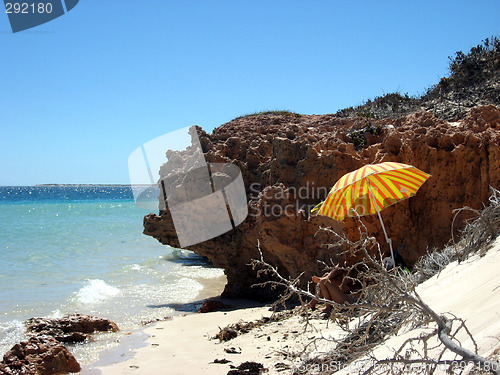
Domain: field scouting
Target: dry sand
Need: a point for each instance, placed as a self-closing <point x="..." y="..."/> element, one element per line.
<point x="470" y="290"/>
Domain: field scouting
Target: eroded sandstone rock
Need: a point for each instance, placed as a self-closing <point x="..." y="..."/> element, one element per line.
<point x="289" y="163"/>
<point x="42" y="355"/>
<point x="71" y="328"/>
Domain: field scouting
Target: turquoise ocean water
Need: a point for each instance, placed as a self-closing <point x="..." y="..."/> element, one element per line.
<point x="66" y="249"/>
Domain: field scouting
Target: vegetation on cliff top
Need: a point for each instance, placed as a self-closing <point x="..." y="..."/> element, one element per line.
<point x="271" y="113"/>
<point x="474" y="80"/>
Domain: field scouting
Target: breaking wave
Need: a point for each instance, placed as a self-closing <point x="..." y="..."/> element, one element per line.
<point x="96" y="291"/>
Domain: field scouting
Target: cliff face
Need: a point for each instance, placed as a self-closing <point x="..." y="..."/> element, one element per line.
<point x="289" y="163"/>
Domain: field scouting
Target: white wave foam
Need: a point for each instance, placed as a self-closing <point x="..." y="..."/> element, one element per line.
<point x="56" y="314"/>
<point x="184" y="291"/>
<point x="133" y="267"/>
<point x="96" y="291"/>
<point x="199" y="272"/>
<point x="11" y="332"/>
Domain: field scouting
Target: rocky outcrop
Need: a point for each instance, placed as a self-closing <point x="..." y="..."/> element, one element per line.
<point x="289" y="163"/>
<point x="71" y="328"/>
<point x="39" y="355"/>
<point x="43" y="353"/>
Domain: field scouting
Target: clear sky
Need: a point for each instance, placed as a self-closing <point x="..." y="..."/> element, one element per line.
<point x="80" y="93"/>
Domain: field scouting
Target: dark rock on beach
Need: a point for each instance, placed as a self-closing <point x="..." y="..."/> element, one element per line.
<point x="44" y="353"/>
<point x="39" y="355"/>
<point x="212" y="305"/>
<point x="251" y="368"/>
<point x="71" y="328"/>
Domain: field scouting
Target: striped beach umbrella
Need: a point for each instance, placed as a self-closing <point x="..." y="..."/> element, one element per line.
<point x="370" y="189"/>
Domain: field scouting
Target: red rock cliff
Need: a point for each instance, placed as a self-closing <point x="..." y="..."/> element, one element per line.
<point x="289" y="163"/>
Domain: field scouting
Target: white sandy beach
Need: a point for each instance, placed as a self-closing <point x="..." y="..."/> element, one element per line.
<point x="470" y="290"/>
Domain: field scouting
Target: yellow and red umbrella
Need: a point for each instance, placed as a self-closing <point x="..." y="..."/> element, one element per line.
<point x="370" y="189"/>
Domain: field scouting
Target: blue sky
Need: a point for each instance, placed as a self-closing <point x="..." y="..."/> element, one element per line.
<point x="80" y="93"/>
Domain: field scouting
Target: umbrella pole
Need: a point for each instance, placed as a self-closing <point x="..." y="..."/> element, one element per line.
<point x="387" y="239"/>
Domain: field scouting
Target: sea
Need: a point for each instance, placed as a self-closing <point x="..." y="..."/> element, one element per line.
<point x="80" y="249"/>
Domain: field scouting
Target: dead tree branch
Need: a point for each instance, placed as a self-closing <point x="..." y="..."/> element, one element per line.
<point x="387" y="303"/>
